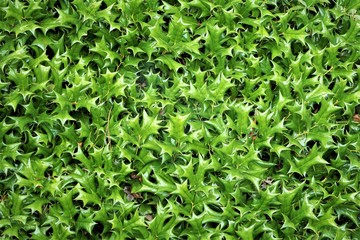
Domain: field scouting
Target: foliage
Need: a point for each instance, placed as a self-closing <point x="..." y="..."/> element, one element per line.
<point x="179" y="119"/>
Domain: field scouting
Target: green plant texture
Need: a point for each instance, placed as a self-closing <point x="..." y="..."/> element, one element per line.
<point x="219" y="119"/>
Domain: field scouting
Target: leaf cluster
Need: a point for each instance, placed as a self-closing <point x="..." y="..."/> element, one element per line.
<point x="179" y="119"/>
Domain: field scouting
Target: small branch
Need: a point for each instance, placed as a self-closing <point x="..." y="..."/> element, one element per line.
<point x="108" y="128"/>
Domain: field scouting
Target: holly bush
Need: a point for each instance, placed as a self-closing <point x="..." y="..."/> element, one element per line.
<point x="221" y="119"/>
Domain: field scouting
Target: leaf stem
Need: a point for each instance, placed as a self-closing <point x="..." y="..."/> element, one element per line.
<point x="108" y="128"/>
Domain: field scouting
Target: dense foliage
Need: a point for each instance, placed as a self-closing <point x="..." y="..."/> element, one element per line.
<point x="219" y="119"/>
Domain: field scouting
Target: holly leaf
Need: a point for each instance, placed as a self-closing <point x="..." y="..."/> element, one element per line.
<point x="312" y="159"/>
<point x="176" y="127"/>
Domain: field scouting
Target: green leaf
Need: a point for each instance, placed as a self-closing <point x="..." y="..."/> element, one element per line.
<point x="293" y="34"/>
<point x="158" y="227"/>
<point x="162" y="186"/>
<point x="170" y="63"/>
<point x="86" y="223"/>
<point x="220" y="86"/>
<point x="37" y="205"/>
<point x="149" y="126"/>
<point x="312" y="159"/>
<point x="325" y="219"/>
<point x="79" y="155"/>
<point x="176" y="127"/>
<point x="12" y="231"/>
<point x="287" y="197"/>
<point x="87" y="197"/>
<point x="305" y="211"/>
